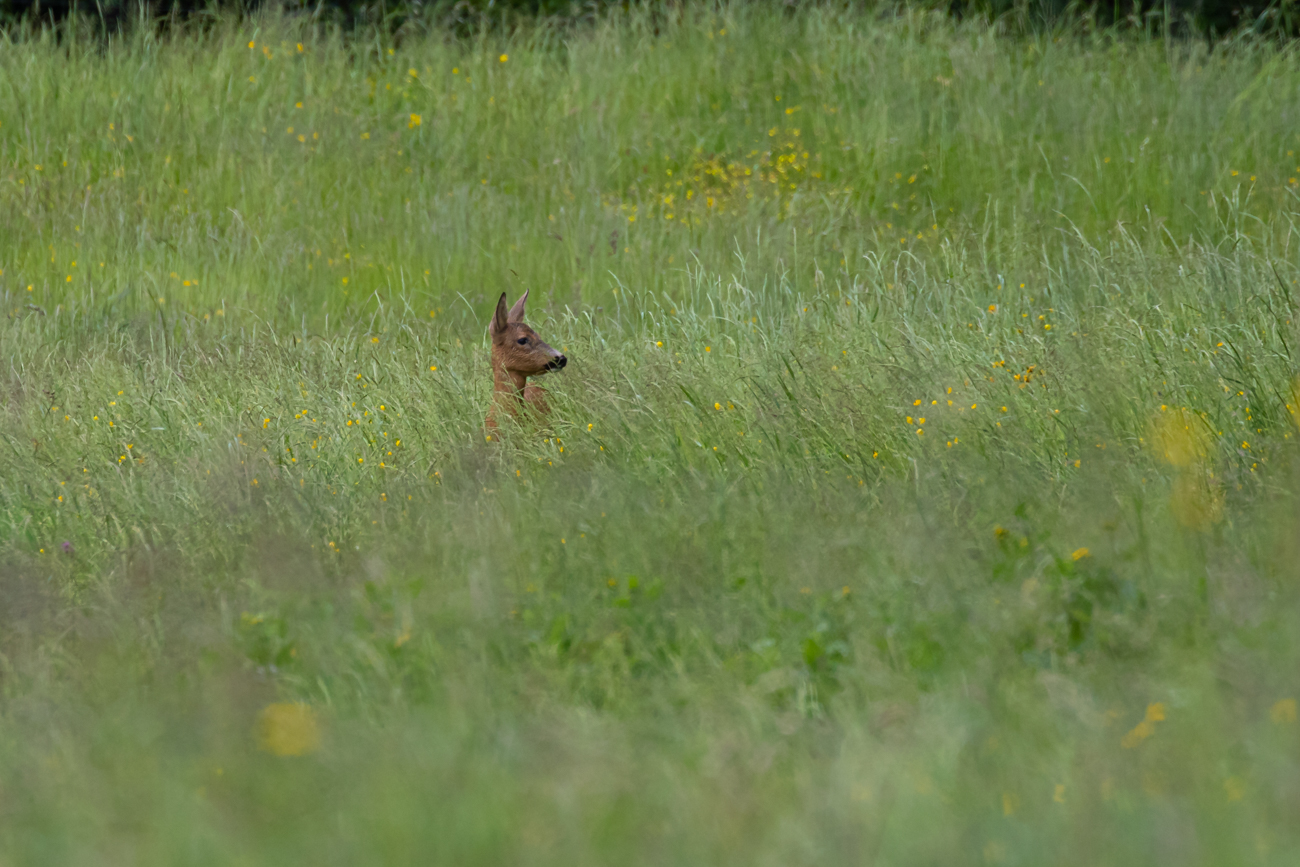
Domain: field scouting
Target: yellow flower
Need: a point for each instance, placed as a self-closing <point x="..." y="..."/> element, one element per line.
<point x="505" y="57"/>
<point x="414" y="122"/>
<point x="1080" y="554"/>
<point x="717" y="406"/>
<point x="288" y="729"/>
<point x="1143" y="730"/>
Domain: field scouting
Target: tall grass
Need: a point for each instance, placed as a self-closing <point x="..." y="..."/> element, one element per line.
<point x="921" y="490"/>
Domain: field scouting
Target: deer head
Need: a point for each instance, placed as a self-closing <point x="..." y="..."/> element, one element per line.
<point x="516" y="349"/>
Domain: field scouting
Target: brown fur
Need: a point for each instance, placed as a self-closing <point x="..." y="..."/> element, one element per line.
<point x="517" y="353"/>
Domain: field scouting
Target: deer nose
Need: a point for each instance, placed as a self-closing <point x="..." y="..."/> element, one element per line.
<point x="558" y="363"/>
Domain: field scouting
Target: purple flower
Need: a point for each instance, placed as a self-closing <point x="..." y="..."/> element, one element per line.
<point x="67" y="547"/>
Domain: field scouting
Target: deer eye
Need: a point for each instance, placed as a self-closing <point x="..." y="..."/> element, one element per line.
<point x="523" y="341"/>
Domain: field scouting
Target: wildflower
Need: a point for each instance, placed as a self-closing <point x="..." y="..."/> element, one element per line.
<point x="504" y="58"/>
<point x="288" y="728"/>
<point x="414" y="122"/>
<point x="1143" y="730"/>
<point x="1079" y="554"/>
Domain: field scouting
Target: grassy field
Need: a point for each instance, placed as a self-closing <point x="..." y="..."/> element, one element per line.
<point x="921" y="488"/>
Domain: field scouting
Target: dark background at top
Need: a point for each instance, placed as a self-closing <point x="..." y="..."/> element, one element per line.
<point x="1214" y="18"/>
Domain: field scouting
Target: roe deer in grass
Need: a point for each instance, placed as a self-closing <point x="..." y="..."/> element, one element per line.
<point x="517" y="353"/>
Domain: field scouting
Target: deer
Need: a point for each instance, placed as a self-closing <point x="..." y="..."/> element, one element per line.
<point x="517" y="353"/>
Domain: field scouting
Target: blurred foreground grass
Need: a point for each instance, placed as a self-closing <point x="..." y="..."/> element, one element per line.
<point x="921" y="490"/>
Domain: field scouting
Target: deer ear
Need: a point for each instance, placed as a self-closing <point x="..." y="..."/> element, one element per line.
<point x="517" y="312"/>
<point x="500" y="318"/>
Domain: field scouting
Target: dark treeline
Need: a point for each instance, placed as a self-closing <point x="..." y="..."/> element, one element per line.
<point x="1213" y="18"/>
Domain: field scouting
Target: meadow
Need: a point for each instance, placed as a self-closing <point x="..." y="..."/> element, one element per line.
<point x="920" y="490"/>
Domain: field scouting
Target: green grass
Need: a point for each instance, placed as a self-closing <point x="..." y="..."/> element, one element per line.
<point x="738" y="604"/>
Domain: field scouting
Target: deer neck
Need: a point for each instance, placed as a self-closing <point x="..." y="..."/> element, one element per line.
<point x="507" y="386"/>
